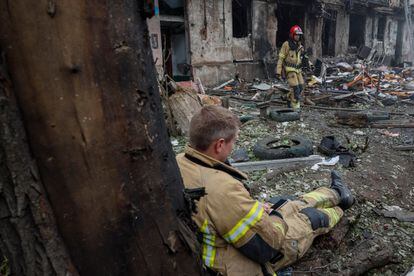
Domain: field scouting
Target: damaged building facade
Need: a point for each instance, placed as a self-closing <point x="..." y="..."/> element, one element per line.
<point x="212" y="41"/>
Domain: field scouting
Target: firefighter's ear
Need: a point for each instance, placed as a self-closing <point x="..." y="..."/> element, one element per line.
<point x="219" y="145"/>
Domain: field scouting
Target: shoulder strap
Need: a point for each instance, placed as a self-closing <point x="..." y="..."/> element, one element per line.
<point x="217" y="166"/>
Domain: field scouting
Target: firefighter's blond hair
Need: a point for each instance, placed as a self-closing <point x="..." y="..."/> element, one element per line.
<point x="211" y="123"/>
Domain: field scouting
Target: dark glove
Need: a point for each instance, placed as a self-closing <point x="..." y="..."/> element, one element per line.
<point x="312" y="67"/>
<point x="278" y="77"/>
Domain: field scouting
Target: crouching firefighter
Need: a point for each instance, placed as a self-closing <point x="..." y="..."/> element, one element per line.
<point x="240" y="235"/>
<point x="292" y="58"/>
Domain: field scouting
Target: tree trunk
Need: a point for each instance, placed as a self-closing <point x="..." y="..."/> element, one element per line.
<point x="84" y="78"/>
<point x="28" y="234"/>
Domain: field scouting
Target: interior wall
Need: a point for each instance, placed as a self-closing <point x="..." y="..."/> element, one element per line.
<point x="154" y="30"/>
<point x="214" y="49"/>
<point x="264" y="29"/>
<point x="369" y="35"/>
<point x="407" y="51"/>
<point x="390" y="37"/>
<point x="210" y="31"/>
<point x="210" y="39"/>
<point x="179" y="53"/>
<point x="342" y="32"/>
<point x="388" y="44"/>
<point x="313" y="35"/>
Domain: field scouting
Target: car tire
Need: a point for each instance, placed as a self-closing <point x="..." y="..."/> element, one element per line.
<point x="264" y="149"/>
<point x="284" y="115"/>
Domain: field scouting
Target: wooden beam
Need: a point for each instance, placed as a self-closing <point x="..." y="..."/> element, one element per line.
<point x="404" y="147"/>
<point x="393" y="124"/>
<point x="172" y="18"/>
<point x="278" y="164"/>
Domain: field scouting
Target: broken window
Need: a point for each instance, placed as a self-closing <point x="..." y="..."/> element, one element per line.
<point x="329" y="33"/>
<point x="242" y="18"/>
<point x="171" y="7"/>
<point x="288" y="16"/>
<point x="381" y="28"/>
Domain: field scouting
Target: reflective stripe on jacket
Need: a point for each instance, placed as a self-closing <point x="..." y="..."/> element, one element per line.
<point x="290" y="59"/>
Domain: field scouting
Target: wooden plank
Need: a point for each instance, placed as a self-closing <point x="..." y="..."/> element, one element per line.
<point x="333" y="108"/>
<point x="353" y="110"/>
<point x="278" y="164"/>
<point x="404" y="147"/>
<point x="394" y="124"/>
<point x="223" y="84"/>
<point x="341" y="97"/>
<point x="352" y="119"/>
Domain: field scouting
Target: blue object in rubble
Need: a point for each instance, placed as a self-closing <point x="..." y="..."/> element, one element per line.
<point x="287" y="271"/>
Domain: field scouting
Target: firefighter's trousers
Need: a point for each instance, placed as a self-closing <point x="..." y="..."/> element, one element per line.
<point x="297" y="84"/>
<point x="313" y="214"/>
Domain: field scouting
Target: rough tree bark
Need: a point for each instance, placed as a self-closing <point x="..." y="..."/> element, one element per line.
<point x="28" y="234"/>
<point x="84" y="79"/>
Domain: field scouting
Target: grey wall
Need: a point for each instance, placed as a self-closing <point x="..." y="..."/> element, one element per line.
<point x="213" y="47"/>
<point x="342" y="32"/>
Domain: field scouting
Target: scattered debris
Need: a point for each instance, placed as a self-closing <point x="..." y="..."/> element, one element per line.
<point x="396" y="212"/>
<point x="359" y="132"/>
<point x="183" y="106"/>
<point x="389" y="133"/>
<point x="331" y="147"/>
<point x="368" y="256"/>
<point x="409" y="86"/>
<point x="262" y="86"/>
<point x="239" y="155"/>
<point x="326" y="162"/>
<point x="345" y="67"/>
<point x="352" y="119"/>
<point x="360" y="119"/>
<point x="187" y="86"/>
<point x="174" y="142"/>
<point x="378" y="100"/>
<point x="246" y="118"/>
<point x="209" y="100"/>
<point x="223" y="84"/>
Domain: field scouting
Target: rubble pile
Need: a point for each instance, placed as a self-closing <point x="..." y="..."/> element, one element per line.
<point x="363" y="83"/>
<point x="366" y="112"/>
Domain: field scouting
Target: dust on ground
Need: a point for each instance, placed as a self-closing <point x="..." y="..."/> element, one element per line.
<point x="383" y="177"/>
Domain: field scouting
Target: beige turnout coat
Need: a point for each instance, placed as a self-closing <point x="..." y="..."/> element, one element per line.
<point x="227" y="216"/>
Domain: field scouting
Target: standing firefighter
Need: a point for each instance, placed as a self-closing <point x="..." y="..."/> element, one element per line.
<point x="240" y="235"/>
<point x="291" y="60"/>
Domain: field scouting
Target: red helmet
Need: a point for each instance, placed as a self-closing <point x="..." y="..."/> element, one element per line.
<point x="295" y="30"/>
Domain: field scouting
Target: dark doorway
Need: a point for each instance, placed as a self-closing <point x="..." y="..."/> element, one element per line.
<point x="242" y="18"/>
<point x="288" y="16"/>
<point x="174" y="40"/>
<point x="398" y="47"/>
<point x="175" y="53"/>
<point x="171" y="7"/>
<point x="382" y="21"/>
<point x="356" y="30"/>
<point x="328" y="34"/>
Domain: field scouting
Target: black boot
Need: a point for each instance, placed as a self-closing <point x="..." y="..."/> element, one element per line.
<point x="345" y="195"/>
